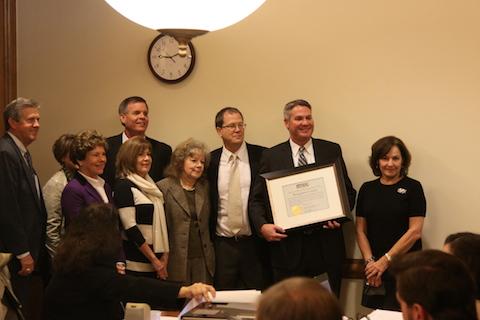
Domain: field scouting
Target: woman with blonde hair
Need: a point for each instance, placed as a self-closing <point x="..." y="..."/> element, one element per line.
<point x="187" y="208"/>
<point x="140" y="204"/>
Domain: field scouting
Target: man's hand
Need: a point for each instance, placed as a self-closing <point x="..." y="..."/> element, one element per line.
<point x="28" y="265"/>
<point x="332" y="224"/>
<point x="197" y="291"/>
<point x="272" y="232"/>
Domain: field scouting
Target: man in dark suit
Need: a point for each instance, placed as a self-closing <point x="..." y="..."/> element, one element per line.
<point x="22" y="215"/>
<point x="133" y="112"/>
<point x="237" y="249"/>
<point x="315" y="249"/>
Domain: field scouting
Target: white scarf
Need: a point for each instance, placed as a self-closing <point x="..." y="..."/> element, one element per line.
<point x="151" y="191"/>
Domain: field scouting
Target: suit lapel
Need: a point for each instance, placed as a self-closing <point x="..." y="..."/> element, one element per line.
<point x="287" y="159"/>
<point x="29" y="172"/>
<point x="179" y="195"/>
<point x="89" y="188"/>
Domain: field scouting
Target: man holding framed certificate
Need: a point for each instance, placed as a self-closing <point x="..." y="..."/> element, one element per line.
<point x="314" y="248"/>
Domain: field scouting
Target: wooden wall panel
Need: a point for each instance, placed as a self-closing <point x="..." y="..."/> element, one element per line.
<point x="8" y="55"/>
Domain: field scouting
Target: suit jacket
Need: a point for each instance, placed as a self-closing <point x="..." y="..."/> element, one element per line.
<point x="22" y="212"/>
<point x="78" y="194"/>
<point x="178" y="215"/>
<point x="287" y="252"/>
<point x="161" y="154"/>
<point x="96" y="293"/>
<point x="254" y="155"/>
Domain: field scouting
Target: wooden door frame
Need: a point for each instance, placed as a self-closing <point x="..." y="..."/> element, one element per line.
<point x="8" y="55"/>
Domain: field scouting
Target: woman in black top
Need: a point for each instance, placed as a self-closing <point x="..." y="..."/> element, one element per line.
<point x="140" y="205"/>
<point x="85" y="284"/>
<point x="390" y="214"/>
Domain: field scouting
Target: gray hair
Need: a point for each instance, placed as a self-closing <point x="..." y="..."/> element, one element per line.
<point x="292" y="104"/>
<point x="14" y="108"/>
<point x="122" y="107"/>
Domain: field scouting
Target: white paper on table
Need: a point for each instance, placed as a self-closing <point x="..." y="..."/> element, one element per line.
<point x="227" y="296"/>
<point x="384" y="315"/>
<point x="155" y="315"/>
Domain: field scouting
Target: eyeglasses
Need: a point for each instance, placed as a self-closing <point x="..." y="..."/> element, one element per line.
<point x="234" y="126"/>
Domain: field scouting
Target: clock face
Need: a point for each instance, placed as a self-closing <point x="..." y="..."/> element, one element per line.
<point x="165" y="62"/>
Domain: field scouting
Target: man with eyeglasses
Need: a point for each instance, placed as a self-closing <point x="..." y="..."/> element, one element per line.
<point x="231" y="173"/>
<point x="133" y="112"/>
<point x="315" y="249"/>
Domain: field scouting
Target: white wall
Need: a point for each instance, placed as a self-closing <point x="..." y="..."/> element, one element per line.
<point x="370" y="68"/>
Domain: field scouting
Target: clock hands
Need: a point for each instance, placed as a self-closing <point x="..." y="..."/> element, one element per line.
<point x="171" y="57"/>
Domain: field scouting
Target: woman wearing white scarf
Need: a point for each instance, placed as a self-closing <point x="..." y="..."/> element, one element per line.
<point x="140" y="204"/>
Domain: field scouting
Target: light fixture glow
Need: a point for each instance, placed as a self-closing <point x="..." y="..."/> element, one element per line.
<point x="208" y="15"/>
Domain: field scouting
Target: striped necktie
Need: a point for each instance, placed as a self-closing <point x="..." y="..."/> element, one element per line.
<point x="302" y="161"/>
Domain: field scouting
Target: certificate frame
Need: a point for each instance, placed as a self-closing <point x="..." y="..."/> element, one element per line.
<point x="307" y="195"/>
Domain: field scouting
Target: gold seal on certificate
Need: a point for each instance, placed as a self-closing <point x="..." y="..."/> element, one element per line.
<point x="307" y="195"/>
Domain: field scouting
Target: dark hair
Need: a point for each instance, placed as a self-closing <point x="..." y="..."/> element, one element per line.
<point x="86" y="141"/>
<point x="126" y="161"/>
<point x="467" y="248"/>
<point x="181" y="152"/>
<point x="382" y="146"/>
<point x="454" y="236"/>
<point x="15" y="107"/>
<point x="91" y="237"/>
<point x="219" y="116"/>
<point x="437" y="281"/>
<point x="292" y="104"/>
<point x="122" y="107"/>
<point x="62" y="146"/>
<point x="298" y="298"/>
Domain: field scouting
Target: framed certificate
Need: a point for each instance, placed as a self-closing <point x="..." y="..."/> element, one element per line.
<point x="306" y="195"/>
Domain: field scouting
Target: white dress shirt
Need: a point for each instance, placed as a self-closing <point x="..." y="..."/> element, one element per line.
<point x="308" y="153"/>
<point x="224" y="169"/>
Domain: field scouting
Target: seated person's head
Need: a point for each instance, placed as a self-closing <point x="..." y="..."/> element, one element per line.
<point x="298" y="299"/>
<point x="433" y="285"/>
<point x="91" y="237"/>
<point x="466" y="246"/>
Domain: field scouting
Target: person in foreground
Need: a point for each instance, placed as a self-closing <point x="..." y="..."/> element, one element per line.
<point x="466" y="247"/>
<point x="433" y="285"/>
<point x="298" y="298"/>
<point x="85" y="284"/>
<point x="390" y="215"/>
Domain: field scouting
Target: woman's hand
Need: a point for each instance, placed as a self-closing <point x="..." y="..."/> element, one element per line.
<point x="160" y="268"/>
<point x="120" y="267"/>
<point x="197" y="291"/>
<point x="375" y="269"/>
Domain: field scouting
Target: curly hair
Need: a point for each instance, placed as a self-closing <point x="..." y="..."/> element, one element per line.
<point x="86" y="141"/>
<point x="381" y="147"/>
<point x="93" y="236"/>
<point x="127" y="155"/>
<point x="186" y="149"/>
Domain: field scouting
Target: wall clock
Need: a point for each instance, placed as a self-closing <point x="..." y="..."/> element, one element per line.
<point x="165" y="62"/>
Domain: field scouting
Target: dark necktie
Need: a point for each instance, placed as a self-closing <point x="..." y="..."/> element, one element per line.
<point x="28" y="157"/>
<point x="302" y="161"/>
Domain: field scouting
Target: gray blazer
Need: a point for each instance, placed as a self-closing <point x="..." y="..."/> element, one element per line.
<point x="178" y="215"/>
